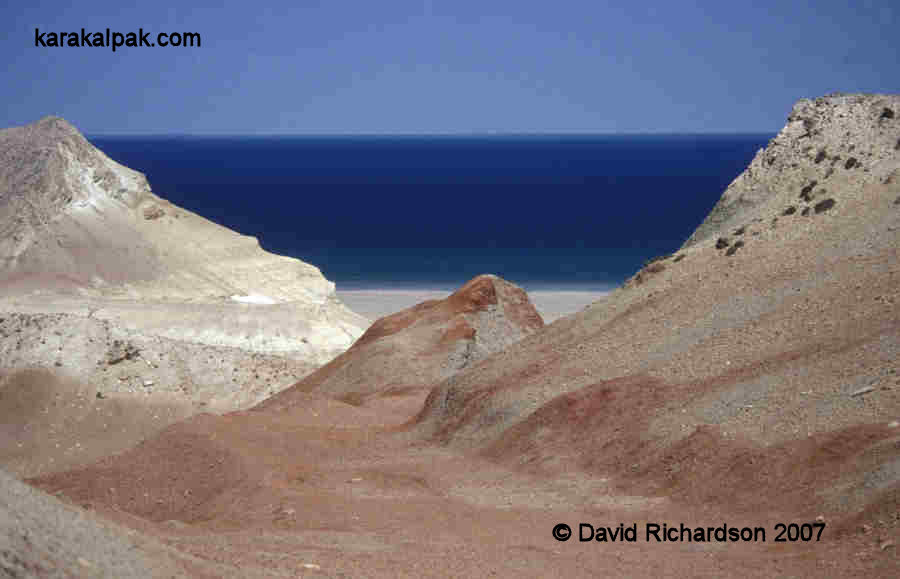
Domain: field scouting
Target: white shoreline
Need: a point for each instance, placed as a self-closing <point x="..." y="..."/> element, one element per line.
<point x="376" y="303"/>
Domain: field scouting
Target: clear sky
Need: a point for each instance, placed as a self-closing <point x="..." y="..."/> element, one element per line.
<point x="432" y="66"/>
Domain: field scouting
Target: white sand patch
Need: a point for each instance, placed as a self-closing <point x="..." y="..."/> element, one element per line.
<point x="254" y="299"/>
<point x="552" y="304"/>
<point x="376" y="303"/>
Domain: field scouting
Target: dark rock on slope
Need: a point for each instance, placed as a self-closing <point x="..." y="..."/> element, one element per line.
<point x="824" y="140"/>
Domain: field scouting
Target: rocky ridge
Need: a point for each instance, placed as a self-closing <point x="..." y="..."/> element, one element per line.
<point x="72" y="217"/>
<point x="839" y="142"/>
<point x="77" y="226"/>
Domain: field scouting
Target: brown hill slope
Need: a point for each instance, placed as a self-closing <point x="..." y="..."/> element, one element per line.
<point x="42" y="537"/>
<point x="412" y="349"/>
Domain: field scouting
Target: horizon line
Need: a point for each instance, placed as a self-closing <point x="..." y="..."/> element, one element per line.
<point x="438" y="135"/>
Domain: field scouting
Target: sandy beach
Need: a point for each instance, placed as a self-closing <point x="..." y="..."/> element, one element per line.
<point x="375" y="303"/>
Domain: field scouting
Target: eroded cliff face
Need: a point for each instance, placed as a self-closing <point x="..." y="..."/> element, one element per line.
<point x="90" y="257"/>
<point x="834" y="142"/>
<point x="73" y="219"/>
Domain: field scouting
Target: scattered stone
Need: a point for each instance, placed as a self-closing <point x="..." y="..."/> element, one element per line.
<point x="175" y="524"/>
<point x="863" y="390"/>
<point x="815" y="138"/>
<point x="153" y="212"/>
<point x="655" y="267"/>
<point x="820" y="519"/>
<point x="851" y="162"/>
<point x="790" y="210"/>
<point x="120" y="351"/>
<point x="87" y="564"/>
<point x="823" y="206"/>
<point x="894" y="424"/>
<point x="721" y="243"/>
<point x="148" y="382"/>
<point x="897" y="201"/>
<point x="733" y="249"/>
<point x="100" y="396"/>
<point x="866" y="529"/>
<point x="311" y="566"/>
<point x="740" y="230"/>
<point x="886" y="114"/>
<point x="886" y="545"/>
<point x="806" y="192"/>
<point x="656" y="259"/>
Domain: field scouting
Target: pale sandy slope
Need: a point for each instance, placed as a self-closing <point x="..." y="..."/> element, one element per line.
<point x="74" y="221"/>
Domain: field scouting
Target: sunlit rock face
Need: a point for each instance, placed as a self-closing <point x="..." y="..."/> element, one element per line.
<point x="84" y="237"/>
<point x="835" y="142"/>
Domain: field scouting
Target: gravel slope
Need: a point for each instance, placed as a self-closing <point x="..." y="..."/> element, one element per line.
<point x="42" y="537"/>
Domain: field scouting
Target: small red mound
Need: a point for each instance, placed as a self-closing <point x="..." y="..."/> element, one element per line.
<point x="421" y="345"/>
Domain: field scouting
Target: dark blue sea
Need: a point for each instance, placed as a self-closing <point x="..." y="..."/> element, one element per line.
<point x="579" y="212"/>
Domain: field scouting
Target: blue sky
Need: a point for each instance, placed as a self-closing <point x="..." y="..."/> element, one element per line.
<point x="401" y="66"/>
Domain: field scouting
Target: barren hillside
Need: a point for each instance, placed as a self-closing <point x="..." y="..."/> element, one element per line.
<point x="749" y="380"/>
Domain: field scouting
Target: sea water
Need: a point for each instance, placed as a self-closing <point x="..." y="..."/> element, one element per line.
<point x="544" y="211"/>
